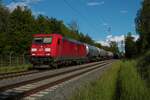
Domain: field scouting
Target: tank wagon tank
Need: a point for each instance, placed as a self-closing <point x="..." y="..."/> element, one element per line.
<point x="110" y="55"/>
<point x="103" y="54"/>
<point x="93" y="53"/>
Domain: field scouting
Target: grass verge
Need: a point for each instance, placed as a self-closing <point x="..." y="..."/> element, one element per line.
<point x="130" y="85"/>
<point x="11" y="69"/>
<point x="102" y="89"/>
<point x="121" y="82"/>
<point x="143" y="66"/>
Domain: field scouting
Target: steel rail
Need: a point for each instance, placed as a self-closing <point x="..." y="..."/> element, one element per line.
<point x="34" y="90"/>
<point x="6" y="87"/>
<point x="16" y="74"/>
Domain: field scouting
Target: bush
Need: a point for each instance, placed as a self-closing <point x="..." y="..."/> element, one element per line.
<point x="10" y="69"/>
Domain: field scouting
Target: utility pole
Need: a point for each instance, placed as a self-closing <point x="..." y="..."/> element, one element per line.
<point x="109" y="33"/>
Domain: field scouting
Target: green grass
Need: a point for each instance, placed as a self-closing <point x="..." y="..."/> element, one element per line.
<point x="18" y="68"/>
<point x="121" y="82"/>
<point x="130" y="85"/>
<point x="102" y="89"/>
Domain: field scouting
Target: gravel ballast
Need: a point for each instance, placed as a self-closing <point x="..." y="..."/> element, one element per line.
<point x="66" y="89"/>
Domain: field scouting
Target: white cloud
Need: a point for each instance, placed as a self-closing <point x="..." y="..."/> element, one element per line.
<point x="94" y="3"/>
<point x="22" y="4"/>
<point x="136" y="37"/>
<point x="103" y="43"/>
<point x="117" y="39"/>
<point x="123" y="11"/>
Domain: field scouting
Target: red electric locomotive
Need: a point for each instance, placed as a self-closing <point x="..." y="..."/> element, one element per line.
<point x="54" y="49"/>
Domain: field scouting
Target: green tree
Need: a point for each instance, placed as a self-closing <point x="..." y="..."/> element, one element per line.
<point x="86" y="39"/>
<point x="55" y="25"/>
<point x="114" y="47"/>
<point x="43" y="24"/>
<point x="143" y="26"/>
<point x="4" y="22"/>
<point x="98" y="45"/>
<point x="130" y="46"/>
<point x="20" y="29"/>
<point x="74" y="30"/>
<point x="74" y="27"/>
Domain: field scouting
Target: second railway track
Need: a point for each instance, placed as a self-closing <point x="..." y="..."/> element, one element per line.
<point x="25" y="87"/>
<point x="21" y="73"/>
<point x="16" y="74"/>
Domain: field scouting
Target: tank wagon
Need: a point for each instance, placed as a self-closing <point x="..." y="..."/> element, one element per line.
<point x="110" y="55"/>
<point x="93" y="53"/>
<point x="102" y="54"/>
<point x="54" y="49"/>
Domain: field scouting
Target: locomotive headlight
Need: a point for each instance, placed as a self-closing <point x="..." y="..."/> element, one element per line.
<point x="47" y="54"/>
<point x="33" y="49"/>
<point x="47" y="49"/>
<point x="33" y="54"/>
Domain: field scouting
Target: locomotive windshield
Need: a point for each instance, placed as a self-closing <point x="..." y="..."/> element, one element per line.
<point x="42" y="40"/>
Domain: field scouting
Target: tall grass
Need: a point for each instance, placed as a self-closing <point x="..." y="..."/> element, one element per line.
<point x="102" y="89"/>
<point x="131" y="86"/>
<point x="143" y="65"/>
<point x="18" y="68"/>
<point x="121" y="82"/>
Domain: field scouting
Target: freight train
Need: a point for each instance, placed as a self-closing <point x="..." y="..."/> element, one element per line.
<point x="51" y="50"/>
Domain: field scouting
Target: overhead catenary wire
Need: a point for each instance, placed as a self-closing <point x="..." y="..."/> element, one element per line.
<point x="79" y="13"/>
<point x="100" y="20"/>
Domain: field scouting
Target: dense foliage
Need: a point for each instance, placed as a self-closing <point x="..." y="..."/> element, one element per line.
<point x="143" y="66"/>
<point x="143" y="26"/>
<point x="130" y="46"/>
<point x="142" y="22"/>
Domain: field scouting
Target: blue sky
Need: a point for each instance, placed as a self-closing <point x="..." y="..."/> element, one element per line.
<point x="93" y="16"/>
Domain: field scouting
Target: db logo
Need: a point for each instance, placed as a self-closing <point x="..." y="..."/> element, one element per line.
<point x="41" y="49"/>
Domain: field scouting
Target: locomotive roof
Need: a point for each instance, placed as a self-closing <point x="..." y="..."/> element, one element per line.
<point x="56" y="34"/>
<point x="72" y="40"/>
<point x="43" y="35"/>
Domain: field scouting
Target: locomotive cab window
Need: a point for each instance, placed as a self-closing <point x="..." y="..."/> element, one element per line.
<point x="37" y="40"/>
<point x="42" y="40"/>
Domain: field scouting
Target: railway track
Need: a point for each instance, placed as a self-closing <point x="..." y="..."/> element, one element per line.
<point x="18" y="74"/>
<point x="15" y="74"/>
<point x="29" y="85"/>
